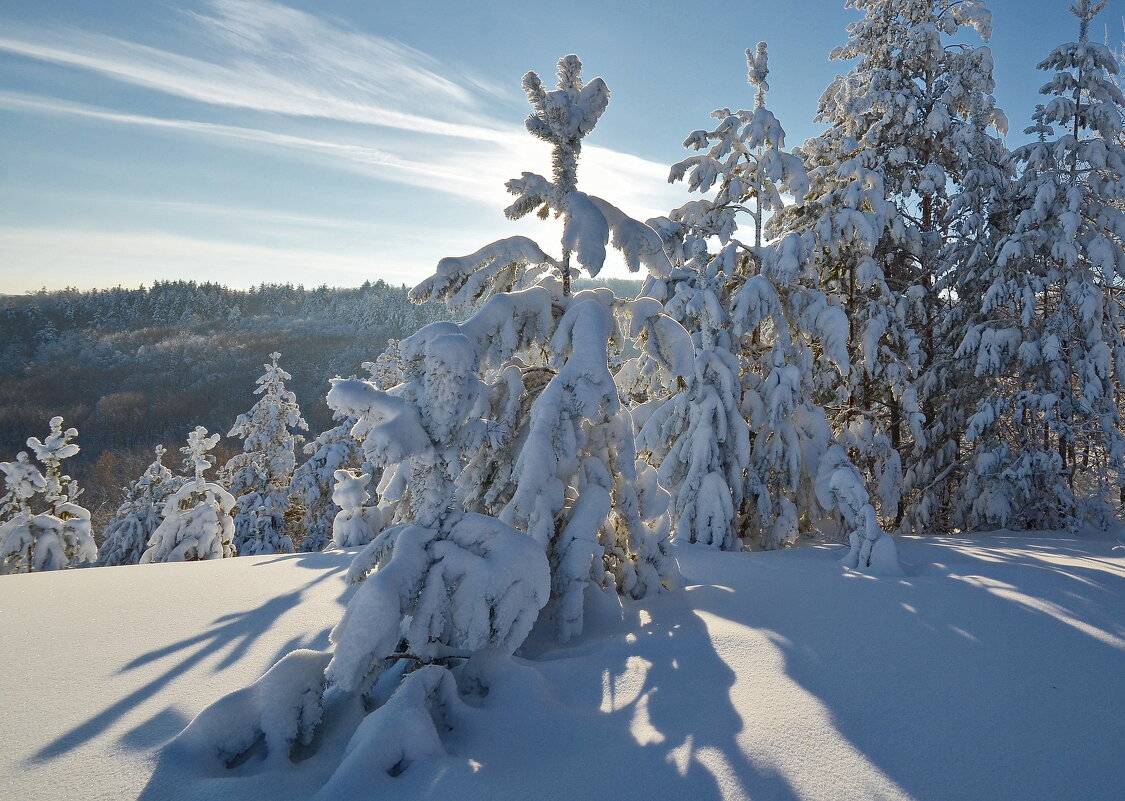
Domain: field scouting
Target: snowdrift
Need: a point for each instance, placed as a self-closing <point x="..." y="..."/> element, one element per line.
<point x="991" y="669"/>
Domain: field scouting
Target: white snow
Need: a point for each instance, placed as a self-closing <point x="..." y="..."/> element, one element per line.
<point x="991" y="669"/>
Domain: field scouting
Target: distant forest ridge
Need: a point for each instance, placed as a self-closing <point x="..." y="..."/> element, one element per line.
<point x="134" y="368"/>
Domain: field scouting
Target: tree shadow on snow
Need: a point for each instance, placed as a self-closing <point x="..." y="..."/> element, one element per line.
<point x="234" y="633"/>
<point x="155" y="731"/>
<point x="664" y="713"/>
<point x="990" y="671"/>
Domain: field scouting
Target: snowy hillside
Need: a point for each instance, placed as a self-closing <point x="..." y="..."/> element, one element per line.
<point x="992" y="669"/>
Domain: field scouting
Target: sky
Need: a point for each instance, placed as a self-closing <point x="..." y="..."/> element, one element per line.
<point x="337" y="141"/>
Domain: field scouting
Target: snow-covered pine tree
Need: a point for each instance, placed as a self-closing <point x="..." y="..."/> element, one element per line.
<point x="126" y="536"/>
<point x="60" y="536"/>
<point x="874" y="218"/>
<point x="527" y="375"/>
<point x="198" y="522"/>
<point x="1047" y="442"/>
<point x="259" y="477"/>
<point x="22" y="481"/>
<point x="545" y="353"/>
<point x="59" y="489"/>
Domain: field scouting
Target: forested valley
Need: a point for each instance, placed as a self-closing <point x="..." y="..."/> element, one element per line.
<point x="134" y="368"/>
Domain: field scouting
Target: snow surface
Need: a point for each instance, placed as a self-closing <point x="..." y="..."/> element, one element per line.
<point x="991" y="669"/>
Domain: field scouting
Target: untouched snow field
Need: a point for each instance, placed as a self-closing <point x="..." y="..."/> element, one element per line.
<point x="994" y="669"/>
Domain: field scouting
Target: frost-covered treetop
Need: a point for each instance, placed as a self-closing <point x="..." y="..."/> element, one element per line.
<point x="51" y="452"/>
<point x="58" y="445"/>
<point x="1086" y="11"/>
<point x="1083" y="69"/>
<point x="744" y="158"/>
<point x="23" y="479"/>
<point x="157" y="468"/>
<point x="561" y="117"/>
<point x="272" y="382"/>
<point x="195" y="453"/>
<point x="155" y="480"/>
<point x="564" y="115"/>
<point x="928" y="18"/>
<point x="898" y="39"/>
<point x="757" y="71"/>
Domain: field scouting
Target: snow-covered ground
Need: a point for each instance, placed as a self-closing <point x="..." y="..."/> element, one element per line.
<point x="994" y="669"/>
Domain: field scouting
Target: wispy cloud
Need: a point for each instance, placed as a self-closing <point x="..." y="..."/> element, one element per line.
<point x="316" y="91"/>
<point x="276" y="59"/>
<point x="478" y="174"/>
<point x="368" y="160"/>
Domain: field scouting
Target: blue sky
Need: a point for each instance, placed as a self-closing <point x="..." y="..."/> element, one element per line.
<point x="337" y="141"/>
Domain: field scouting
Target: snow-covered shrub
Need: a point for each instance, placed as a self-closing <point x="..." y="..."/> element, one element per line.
<point x="407" y="728"/>
<point x="355" y="523"/>
<point x="22" y="481"/>
<point x="281" y="710"/>
<point x="259" y="477"/>
<point x="126" y="536"/>
<point x="197" y="517"/>
<point x="840" y="488"/>
<point x="58" y="537"/>
<point x="45" y="541"/>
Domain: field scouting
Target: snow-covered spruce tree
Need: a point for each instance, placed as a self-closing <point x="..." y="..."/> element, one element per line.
<point x="10" y="503"/>
<point x="313" y="482"/>
<point x="763" y="333"/>
<point x="1047" y="441"/>
<point x="386" y="370"/>
<point x="126" y="536"/>
<point x="198" y="522"/>
<point x="22" y="482"/>
<point x="698" y="437"/>
<point x="259" y="476"/>
<point x="463" y="581"/>
<point x="979" y="216"/>
<point x="693" y="430"/>
<point x="60" y="536"/>
<point x="472" y="549"/>
<point x="874" y="219"/>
